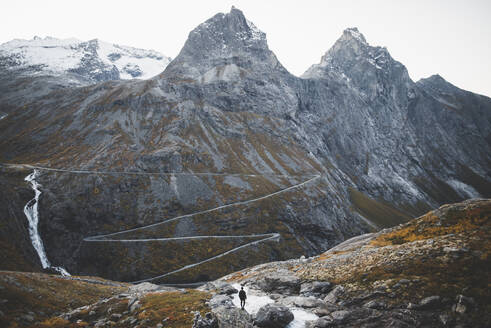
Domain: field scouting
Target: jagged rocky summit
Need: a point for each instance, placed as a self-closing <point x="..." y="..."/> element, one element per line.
<point x="226" y="142"/>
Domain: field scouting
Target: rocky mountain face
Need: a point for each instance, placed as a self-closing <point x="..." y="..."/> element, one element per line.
<point x="226" y="160"/>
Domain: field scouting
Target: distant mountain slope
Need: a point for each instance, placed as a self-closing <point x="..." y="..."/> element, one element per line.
<point x="30" y="69"/>
<point x="95" y="59"/>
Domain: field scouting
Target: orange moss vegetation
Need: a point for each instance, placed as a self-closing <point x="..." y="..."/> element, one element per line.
<point x="57" y="322"/>
<point x="239" y="276"/>
<point x="176" y="306"/>
<point x="442" y="253"/>
<point x="45" y="295"/>
<point x="430" y="226"/>
<point x="327" y="255"/>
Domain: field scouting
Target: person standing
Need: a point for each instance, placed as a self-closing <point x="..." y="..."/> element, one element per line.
<point x="243" y="297"/>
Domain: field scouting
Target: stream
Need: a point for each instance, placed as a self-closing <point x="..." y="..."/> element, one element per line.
<point x="254" y="302"/>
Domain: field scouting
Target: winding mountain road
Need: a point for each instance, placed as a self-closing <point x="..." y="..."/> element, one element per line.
<point x="107" y="237"/>
<point x="44" y="168"/>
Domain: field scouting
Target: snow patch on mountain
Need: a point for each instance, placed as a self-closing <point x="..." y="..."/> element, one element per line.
<point x="133" y="62"/>
<point x="54" y="54"/>
<point x="59" y="56"/>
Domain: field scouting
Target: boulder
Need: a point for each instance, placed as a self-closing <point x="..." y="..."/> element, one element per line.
<point x="375" y="305"/>
<point x="273" y="316"/>
<point x="135" y="306"/>
<point x="116" y="316"/>
<point x="316" y="288"/>
<point x="327" y="309"/>
<point x="283" y="283"/>
<point x="221" y="300"/>
<point x="143" y="287"/>
<point x="132" y="301"/>
<point x="209" y="321"/>
<point x="303" y="302"/>
<point x="28" y="317"/>
<point x="340" y="316"/>
<point x="232" y="317"/>
<point x="463" y="305"/>
<point x="228" y="290"/>
<point x="221" y="287"/>
<point x="334" y="295"/>
<point x="352" y="317"/>
<point x="429" y="303"/>
<point x="323" y="322"/>
<point x="445" y="319"/>
<point x="275" y="296"/>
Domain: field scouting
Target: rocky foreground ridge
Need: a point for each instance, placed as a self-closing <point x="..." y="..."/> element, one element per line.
<point x="430" y="272"/>
<point x="433" y="271"/>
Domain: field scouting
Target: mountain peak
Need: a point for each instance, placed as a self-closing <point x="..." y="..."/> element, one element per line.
<point x="224" y="39"/>
<point x="352" y="44"/>
<point x="349" y="51"/>
<point x="349" y="47"/>
<point x="351" y="60"/>
<point x="228" y="28"/>
<point x="352" y="33"/>
<point x="435" y="78"/>
<point x="235" y="10"/>
<point x="436" y="84"/>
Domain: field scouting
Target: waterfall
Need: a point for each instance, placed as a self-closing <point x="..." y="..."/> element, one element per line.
<point x="32" y="214"/>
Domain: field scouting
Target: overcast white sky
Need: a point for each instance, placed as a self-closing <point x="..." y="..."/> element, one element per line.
<point x="448" y="37"/>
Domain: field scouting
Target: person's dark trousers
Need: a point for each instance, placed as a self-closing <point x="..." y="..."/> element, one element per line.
<point x="242" y="303"/>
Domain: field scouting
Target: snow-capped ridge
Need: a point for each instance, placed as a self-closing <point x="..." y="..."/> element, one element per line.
<point x="95" y="60"/>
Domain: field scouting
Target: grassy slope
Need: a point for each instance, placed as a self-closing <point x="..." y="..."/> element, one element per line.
<point x="445" y="252"/>
<point x="174" y="308"/>
<point x="45" y="297"/>
<point x="379" y="213"/>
